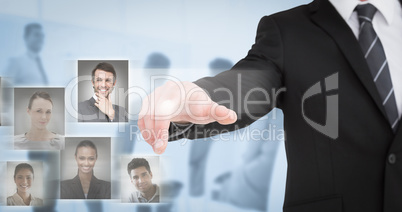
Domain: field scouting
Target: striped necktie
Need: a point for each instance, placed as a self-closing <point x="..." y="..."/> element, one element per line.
<point x="375" y="56"/>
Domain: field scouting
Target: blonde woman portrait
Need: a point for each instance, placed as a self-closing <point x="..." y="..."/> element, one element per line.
<point x="40" y="109"/>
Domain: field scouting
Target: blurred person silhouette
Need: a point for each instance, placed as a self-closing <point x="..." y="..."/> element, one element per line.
<point x="7" y="104"/>
<point x="250" y="179"/>
<point x="158" y="63"/>
<point x="247" y="185"/>
<point x="1" y="103"/>
<point x="218" y="65"/>
<point x="28" y="69"/>
<point x="3" y="170"/>
<point x="199" y="149"/>
<point x="157" y="60"/>
<point x="170" y="190"/>
<point x="344" y="150"/>
<point x="143" y="208"/>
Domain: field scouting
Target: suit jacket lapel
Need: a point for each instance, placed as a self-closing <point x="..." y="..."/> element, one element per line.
<point x="77" y="188"/>
<point x="93" y="188"/>
<point x="326" y="17"/>
<point x="92" y="105"/>
<point x="92" y="102"/>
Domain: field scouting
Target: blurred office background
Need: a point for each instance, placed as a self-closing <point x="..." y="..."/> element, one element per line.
<point x="183" y="39"/>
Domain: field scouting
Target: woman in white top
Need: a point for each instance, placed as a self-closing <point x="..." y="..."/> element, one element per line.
<point x="23" y="178"/>
<point x="39" y="137"/>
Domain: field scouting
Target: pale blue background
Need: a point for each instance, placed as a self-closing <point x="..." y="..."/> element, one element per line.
<point x="189" y="33"/>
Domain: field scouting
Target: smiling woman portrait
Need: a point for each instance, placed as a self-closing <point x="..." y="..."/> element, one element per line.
<point x="23" y="179"/>
<point x="38" y="137"/>
<point x="85" y="185"/>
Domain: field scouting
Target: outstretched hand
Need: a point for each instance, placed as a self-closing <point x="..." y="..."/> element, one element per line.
<point x="180" y="102"/>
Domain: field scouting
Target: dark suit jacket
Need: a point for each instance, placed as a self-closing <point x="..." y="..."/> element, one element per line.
<point x="72" y="189"/>
<point x="88" y="112"/>
<point x="355" y="164"/>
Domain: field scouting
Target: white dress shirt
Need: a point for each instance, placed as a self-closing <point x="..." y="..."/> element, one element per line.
<point x="387" y="23"/>
<point x="22" y="142"/>
<point x="16" y="200"/>
<point x="137" y="197"/>
<point x="24" y="70"/>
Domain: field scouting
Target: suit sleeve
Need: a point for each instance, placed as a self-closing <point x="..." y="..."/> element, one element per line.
<point x="250" y="88"/>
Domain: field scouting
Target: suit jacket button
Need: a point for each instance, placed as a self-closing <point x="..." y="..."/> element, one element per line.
<point x="392" y="158"/>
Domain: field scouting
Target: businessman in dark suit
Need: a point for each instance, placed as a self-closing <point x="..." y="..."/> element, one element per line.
<point x="334" y="68"/>
<point x="99" y="107"/>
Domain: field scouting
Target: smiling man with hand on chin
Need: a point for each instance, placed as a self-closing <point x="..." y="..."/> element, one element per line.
<point x="99" y="107"/>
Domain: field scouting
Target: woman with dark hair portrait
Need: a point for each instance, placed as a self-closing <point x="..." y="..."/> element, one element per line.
<point x="24" y="178"/>
<point x="38" y="136"/>
<point x="85" y="185"/>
